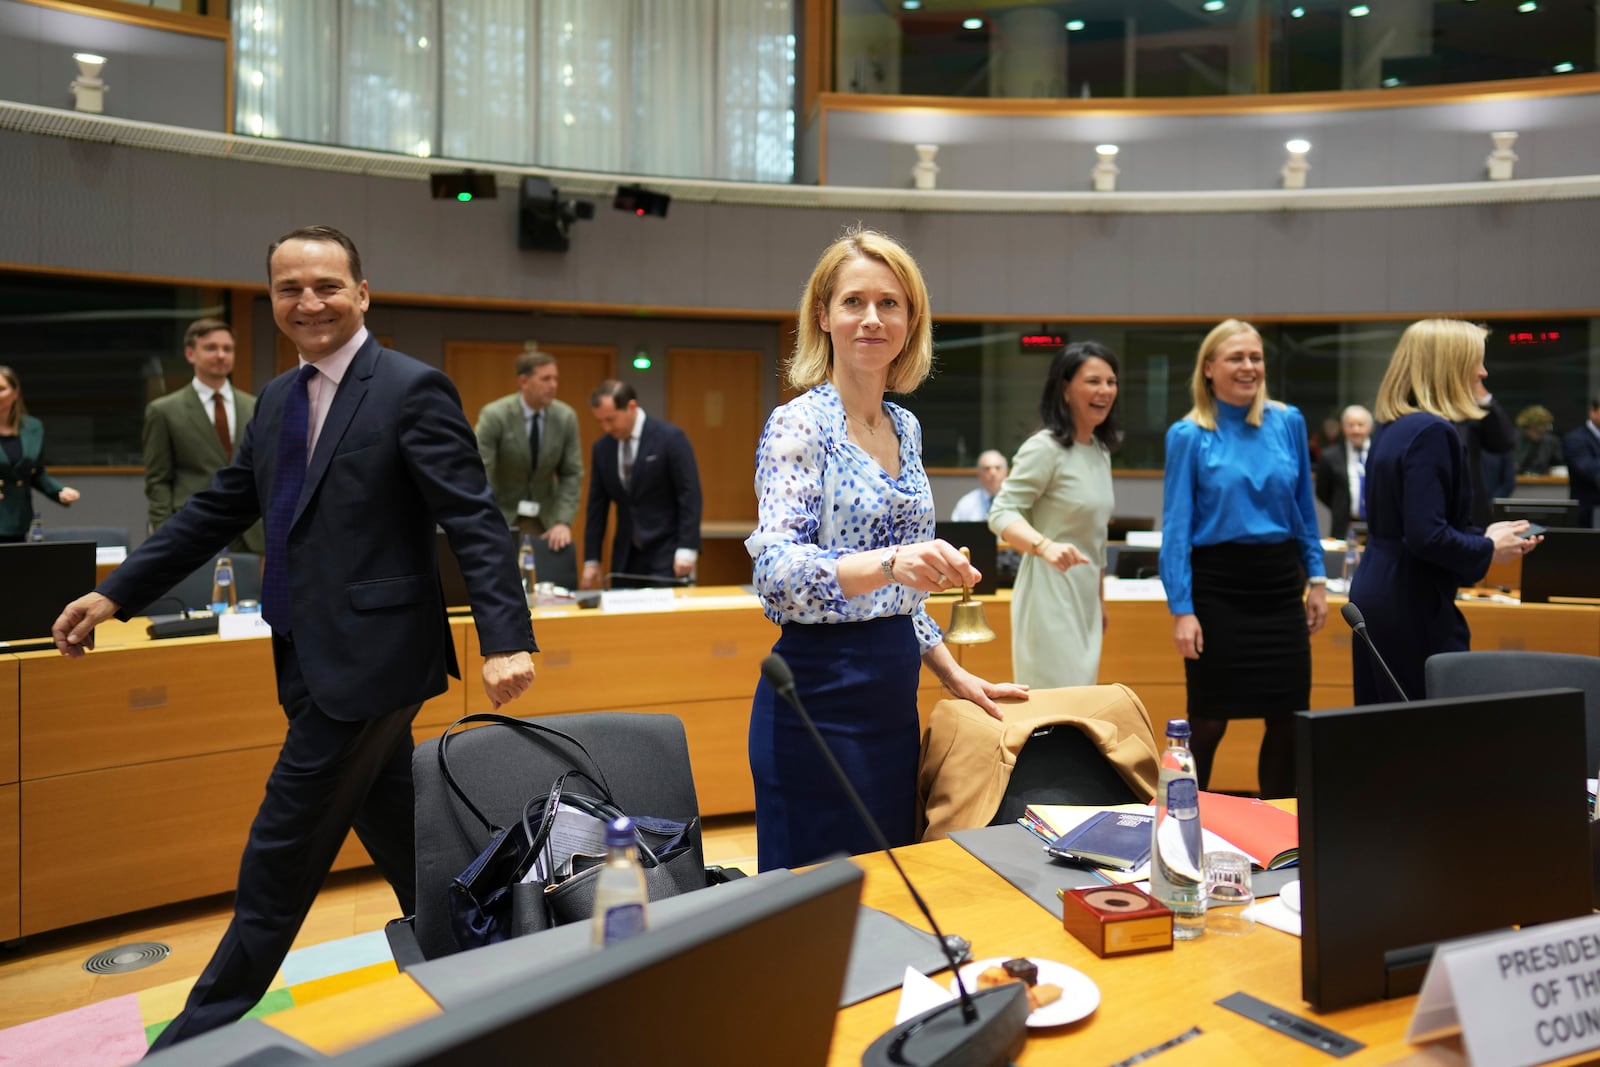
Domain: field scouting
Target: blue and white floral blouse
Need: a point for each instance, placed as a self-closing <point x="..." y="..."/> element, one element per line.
<point x="822" y="497"/>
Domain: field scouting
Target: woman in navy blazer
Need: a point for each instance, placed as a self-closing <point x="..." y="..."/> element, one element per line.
<point x="1421" y="546"/>
<point x="22" y="462"/>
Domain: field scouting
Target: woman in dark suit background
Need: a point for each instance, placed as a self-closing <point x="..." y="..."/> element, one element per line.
<point x="22" y="462"/>
<point x="1421" y="545"/>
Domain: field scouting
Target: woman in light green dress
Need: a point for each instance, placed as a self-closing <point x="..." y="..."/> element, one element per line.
<point x="1053" y="508"/>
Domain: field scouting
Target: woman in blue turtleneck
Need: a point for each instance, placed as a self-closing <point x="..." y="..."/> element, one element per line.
<point x="1239" y="547"/>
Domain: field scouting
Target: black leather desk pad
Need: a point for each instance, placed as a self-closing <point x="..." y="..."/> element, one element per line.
<point x="1017" y="856"/>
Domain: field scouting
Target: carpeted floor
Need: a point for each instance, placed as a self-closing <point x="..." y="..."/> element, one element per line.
<point x="115" y="1032"/>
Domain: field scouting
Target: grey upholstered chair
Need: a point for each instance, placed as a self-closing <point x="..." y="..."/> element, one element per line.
<point x="195" y="590"/>
<point x="1459" y="674"/>
<point x="645" y="759"/>
<point x="102" y="536"/>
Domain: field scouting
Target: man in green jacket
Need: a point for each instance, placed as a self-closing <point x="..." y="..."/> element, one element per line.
<point x="191" y="433"/>
<point x="530" y="448"/>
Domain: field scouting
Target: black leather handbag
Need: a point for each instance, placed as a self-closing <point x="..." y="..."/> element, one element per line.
<point x="494" y="900"/>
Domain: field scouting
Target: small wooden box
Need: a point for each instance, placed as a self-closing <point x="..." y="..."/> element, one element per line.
<point x="1116" y="920"/>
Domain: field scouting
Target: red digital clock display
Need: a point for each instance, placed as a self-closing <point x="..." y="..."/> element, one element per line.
<point x="1042" y="340"/>
<point x="1533" y="337"/>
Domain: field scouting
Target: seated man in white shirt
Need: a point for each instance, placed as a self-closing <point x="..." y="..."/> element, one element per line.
<point x="974" y="507"/>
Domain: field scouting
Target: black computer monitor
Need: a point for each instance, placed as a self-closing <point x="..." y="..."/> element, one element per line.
<point x="977" y="537"/>
<point x="39" y="578"/>
<point x="756" y="980"/>
<point x="1554" y="512"/>
<point x="1433" y="820"/>
<point x="1567" y="565"/>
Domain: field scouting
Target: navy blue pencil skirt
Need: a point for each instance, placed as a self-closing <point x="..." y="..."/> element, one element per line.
<point x="859" y="682"/>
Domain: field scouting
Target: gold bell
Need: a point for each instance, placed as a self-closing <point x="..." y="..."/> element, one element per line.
<point x="967" y="624"/>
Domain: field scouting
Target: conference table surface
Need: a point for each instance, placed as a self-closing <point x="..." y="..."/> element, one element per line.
<point x="1145" y="999"/>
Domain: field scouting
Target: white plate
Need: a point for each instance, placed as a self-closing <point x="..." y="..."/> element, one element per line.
<point x="1290" y="895"/>
<point x="1079" y="995"/>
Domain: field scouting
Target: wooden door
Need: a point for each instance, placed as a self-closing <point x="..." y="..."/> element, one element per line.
<point x="486" y="370"/>
<point x="714" y="396"/>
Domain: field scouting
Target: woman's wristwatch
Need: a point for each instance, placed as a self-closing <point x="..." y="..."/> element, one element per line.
<point x="1317" y="579"/>
<point x="1041" y="539"/>
<point x="886" y="562"/>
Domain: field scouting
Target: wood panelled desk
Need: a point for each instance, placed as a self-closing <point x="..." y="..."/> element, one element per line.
<point x="1145" y="999"/>
<point x="163" y="746"/>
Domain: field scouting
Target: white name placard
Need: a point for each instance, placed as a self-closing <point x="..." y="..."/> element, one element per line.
<point x="236" y="627"/>
<point x="1519" y="998"/>
<point x="626" y="600"/>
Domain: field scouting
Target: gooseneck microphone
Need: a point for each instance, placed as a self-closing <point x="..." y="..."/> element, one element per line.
<point x="648" y="579"/>
<point x="992" y="1026"/>
<point x="1352" y="615"/>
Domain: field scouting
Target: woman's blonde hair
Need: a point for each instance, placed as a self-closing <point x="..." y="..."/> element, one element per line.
<point x="1204" y="412"/>
<point x="1433" y="369"/>
<point x="812" y="361"/>
<point x="18" y="409"/>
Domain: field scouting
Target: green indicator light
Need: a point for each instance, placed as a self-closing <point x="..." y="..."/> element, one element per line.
<point x="463" y="197"/>
<point x="641" y="362"/>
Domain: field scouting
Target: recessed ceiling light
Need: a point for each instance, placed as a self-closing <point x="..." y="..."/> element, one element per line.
<point x="1360" y="11"/>
<point x="972" y="24"/>
<point x="910" y="5"/>
<point x="1564" y="68"/>
<point x="1213" y="5"/>
<point x="1527" y="6"/>
<point x="1074" y="25"/>
<point x="1297" y="12"/>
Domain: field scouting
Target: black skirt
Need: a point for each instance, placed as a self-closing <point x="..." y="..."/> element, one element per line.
<point x="1256" y="658"/>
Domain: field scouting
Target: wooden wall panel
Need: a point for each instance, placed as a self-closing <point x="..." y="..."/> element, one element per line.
<point x="143" y="703"/>
<point x="163" y="831"/>
<point x="10" y="868"/>
<point x="10" y="718"/>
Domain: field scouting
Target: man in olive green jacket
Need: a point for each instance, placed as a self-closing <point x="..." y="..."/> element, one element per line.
<point x="191" y="433"/>
<point x="537" y="495"/>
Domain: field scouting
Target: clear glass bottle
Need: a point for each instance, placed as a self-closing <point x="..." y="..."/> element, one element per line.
<point x="36" y="528"/>
<point x="1176" y="850"/>
<point x="223" y="589"/>
<point x="528" y="568"/>
<point x="620" y="898"/>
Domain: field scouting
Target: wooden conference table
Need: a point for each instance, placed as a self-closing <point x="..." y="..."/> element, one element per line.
<point x="1145" y="999"/>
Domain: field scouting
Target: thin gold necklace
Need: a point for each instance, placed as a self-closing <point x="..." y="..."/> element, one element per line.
<point x="863" y="423"/>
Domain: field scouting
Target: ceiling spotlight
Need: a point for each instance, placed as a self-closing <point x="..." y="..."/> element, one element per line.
<point x="465" y="186"/>
<point x="1213" y="6"/>
<point x="910" y="5"/>
<point x="972" y="24"/>
<point x="1074" y="25"/>
<point x="1527" y="6"/>
<point x="1297" y="12"/>
<point x="544" y="220"/>
<point x="1564" y="68"/>
<point x="1360" y="11"/>
<point x="88" y="91"/>
<point x="1295" y="167"/>
<point x="641" y="201"/>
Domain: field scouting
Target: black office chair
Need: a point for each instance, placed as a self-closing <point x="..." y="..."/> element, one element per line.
<point x="195" y="590"/>
<point x="645" y="758"/>
<point x="558" y="567"/>
<point x="1459" y="674"/>
<point x="102" y="536"/>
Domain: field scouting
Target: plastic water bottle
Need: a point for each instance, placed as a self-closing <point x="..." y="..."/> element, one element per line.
<point x="223" y="590"/>
<point x="36" y="528"/>
<point x="620" y="898"/>
<point x="527" y="566"/>
<point x="1175" y="853"/>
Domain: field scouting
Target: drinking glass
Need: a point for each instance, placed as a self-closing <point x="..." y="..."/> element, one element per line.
<point x="1228" y="893"/>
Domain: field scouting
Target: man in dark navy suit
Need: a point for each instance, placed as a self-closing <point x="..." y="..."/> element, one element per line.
<point x="351" y="458"/>
<point x="646" y="467"/>
<point x="1582" y="449"/>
